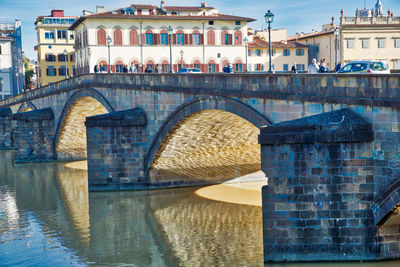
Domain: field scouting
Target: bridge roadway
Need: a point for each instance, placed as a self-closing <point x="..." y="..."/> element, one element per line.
<point x="330" y="149"/>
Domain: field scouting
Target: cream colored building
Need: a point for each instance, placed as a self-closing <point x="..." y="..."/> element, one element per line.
<point x="53" y="39"/>
<point x="370" y="35"/>
<point x="284" y="55"/>
<point x="202" y="38"/>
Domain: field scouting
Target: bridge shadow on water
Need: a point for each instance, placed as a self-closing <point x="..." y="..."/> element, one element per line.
<point x="145" y="228"/>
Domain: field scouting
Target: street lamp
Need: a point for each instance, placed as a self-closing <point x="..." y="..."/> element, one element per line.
<point x="336" y="33"/>
<point x="170" y="31"/>
<point x="17" y="75"/>
<point x="182" y="53"/>
<point x="109" y="63"/>
<point x="66" y="66"/>
<point x="37" y="75"/>
<point x="269" y="18"/>
<point x="246" y="42"/>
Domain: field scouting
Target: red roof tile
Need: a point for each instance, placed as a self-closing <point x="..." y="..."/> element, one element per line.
<point x="257" y="43"/>
<point x="309" y="35"/>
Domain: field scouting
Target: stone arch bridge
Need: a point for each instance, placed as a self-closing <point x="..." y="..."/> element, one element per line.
<point x="328" y="144"/>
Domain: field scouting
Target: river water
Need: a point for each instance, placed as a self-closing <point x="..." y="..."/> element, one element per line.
<point x="48" y="218"/>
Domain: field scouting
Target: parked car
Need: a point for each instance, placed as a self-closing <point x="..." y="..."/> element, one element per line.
<point x="189" y="70"/>
<point x="377" y="67"/>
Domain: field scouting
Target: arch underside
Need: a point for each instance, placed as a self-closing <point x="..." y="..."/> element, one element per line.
<point x="72" y="138"/>
<point x="207" y="146"/>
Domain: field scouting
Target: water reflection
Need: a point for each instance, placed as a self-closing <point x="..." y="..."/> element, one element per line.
<point x="48" y="218"/>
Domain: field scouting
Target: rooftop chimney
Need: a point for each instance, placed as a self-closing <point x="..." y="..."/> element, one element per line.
<point x="204" y="5"/>
<point x="57" y="13"/>
<point x="100" y="9"/>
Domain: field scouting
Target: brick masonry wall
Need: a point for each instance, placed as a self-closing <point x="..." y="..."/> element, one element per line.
<point x="316" y="206"/>
<point x="6" y="129"/>
<point x="34" y="136"/>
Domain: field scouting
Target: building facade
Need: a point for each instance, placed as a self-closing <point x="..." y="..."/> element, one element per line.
<point x="54" y="40"/>
<point x="370" y="35"/>
<point x="11" y="67"/>
<point x="201" y="38"/>
<point x="284" y="55"/>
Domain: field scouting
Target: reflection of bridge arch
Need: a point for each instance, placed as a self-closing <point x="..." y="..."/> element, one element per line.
<point x="70" y="136"/>
<point x="205" y="132"/>
<point x="26" y="106"/>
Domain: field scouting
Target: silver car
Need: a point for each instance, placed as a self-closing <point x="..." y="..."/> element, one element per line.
<point x="373" y="67"/>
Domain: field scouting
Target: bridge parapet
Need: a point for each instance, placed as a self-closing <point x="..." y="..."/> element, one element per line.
<point x="6" y="128"/>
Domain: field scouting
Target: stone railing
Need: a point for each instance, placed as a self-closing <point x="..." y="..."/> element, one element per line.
<point x="369" y="20"/>
<point x="368" y="89"/>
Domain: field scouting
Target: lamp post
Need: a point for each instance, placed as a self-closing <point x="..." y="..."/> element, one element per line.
<point x="66" y="66"/>
<point x="37" y="75"/>
<point x="336" y="33"/>
<point x="17" y="75"/>
<point x="109" y="62"/>
<point x="269" y="18"/>
<point x="170" y="31"/>
<point x="246" y="42"/>
<point x="182" y="53"/>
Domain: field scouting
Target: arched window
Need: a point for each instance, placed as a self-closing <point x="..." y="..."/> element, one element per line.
<point x="133" y="36"/>
<point x="119" y="66"/>
<point x="197" y="64"/>
<point x="239" y="66"/>
<point x="117" y="37"/>
<point x="103" y="66"/>
<point x="149" y="37"/>
<point x="226" y="38"/>
<point x="211" y="37"/>
<point x="150" y="64"/>
<point x="212" y="67"/>
<point x="180" y="37"/>
<point x="196" y="37"/>
<point x="101" y="36"/>
<point x="165" y="66"/>
<point x="238" y="37"/>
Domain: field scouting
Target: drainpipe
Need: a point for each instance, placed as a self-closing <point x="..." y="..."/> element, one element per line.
<point x="141" y="45"/>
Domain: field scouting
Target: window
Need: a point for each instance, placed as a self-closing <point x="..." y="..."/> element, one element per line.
<point x="238" y="67"/>
<point x="180" y="38"/>
<point x="133" y="36"/>
<point x="119" y="67"/>
<point x="165" y="67"/>
<point x="62" y="58"/>
<point x="299" y="52"/>
<point x="273" y="52"/>
<point x="396" y="64"/>
<point x="50" y="58"/>
<point x="364" y="43"/>
<point x="51" y="71"/>
<point x="259" y="67"/>
<point x="71" y="36"/>
<point x="259" y="52"/>
<point x="238" y="37"/>
<point x="139" y="12"/>
<point x="72" y="57"/>
<point x="164" y="38"/>
<point x="73" y="71"/>
<point x="397" y="43"/>
<point x="249" y="52"/>
<point x="350" y="43"/>
<point x="196" y="38"/>
<point x="61" y="34"/>
<point x="286" y="52"/>
<point x="103" y="66"/>
<point x="117" y="37"/>
<point x="237" y="22"/>
<point x="101" y="37"/>
<point x="285" y="67"/>
<point x="48" y="35"/>
<point x="211" y="22"/>
<point x="226" y="37"/>
<point x="381" y="43"/>
<point x="62" y="71"/>
<point x="0" y="49"/>
<point x="149" y="38"/>
<point x="301" y="67"/>
<point x="197" y="66"/>
<point x="211" y="37"/>
<point x="211" y="67"/>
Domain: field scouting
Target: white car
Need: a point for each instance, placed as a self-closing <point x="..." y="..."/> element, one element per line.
<point x="373" y="67"/>
<point x="189" y="70"/>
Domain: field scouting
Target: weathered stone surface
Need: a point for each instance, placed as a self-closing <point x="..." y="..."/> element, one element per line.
<point x="116" y="147"/>
<point x="34" y="136"/>
<point x="6" y="141"/>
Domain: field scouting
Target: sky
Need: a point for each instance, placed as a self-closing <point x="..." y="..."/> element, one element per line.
<point x="294" y="15"/>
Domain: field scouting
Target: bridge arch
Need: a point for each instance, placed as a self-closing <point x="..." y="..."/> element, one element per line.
<point x="203" y="108"/>
<point x="81" y="104"/>
<point x="26" y="106"/>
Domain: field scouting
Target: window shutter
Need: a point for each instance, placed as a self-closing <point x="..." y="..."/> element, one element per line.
<point x="186" y="40"/>
<point x="216" y="67"/>
<point x="143" y="39"/>
<point x="174" y="39"/>
<point x="223" y="38"/>
<point x="113" y="68"/>
<point x="190" y="39"/>
<point x="202" y="39"/>
<point x="230" y="39"/>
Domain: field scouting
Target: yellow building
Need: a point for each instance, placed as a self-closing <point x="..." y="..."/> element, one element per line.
<point x="284" y="55"/>
<point x="54" y="40"/>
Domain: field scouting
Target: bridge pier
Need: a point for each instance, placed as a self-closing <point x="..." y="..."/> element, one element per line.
<point x="6" y="128"/>
<point x="34" y="136"/>
<point x="317" y="204"/>
<point x="116" y="147"/>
